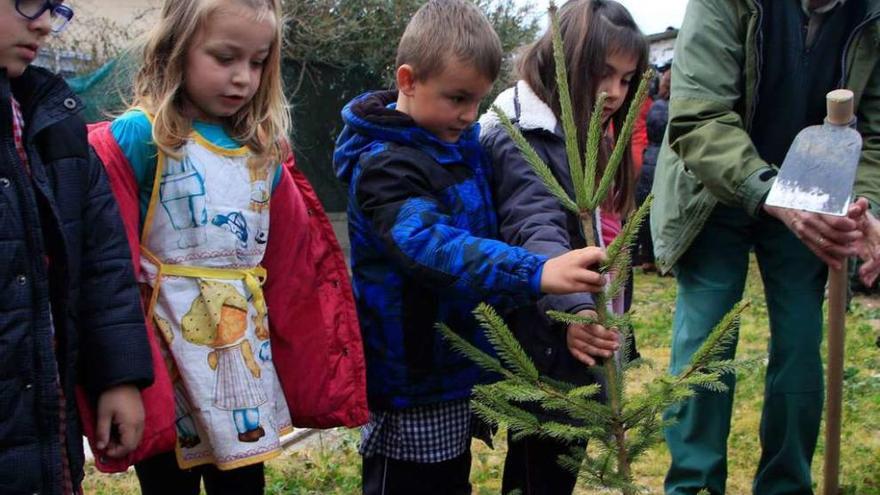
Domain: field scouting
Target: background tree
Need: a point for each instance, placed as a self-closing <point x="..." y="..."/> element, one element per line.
<point x="333" y="51"/>
<point x="338" y="49"/>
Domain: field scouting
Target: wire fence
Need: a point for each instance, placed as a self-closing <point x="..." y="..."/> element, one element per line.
<point x="99" y="31"/>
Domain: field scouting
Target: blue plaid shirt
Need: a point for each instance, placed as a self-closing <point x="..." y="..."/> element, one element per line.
<point x="433" y="433"/>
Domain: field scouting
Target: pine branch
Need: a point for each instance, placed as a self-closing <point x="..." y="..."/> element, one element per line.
<point x="558" y="385"/>
<point x="495" y="410"/>
<point x="623" y="138"/>
<point x="655" y="397"/>
<point x="599" y="473"/>
<point x="506" y="345"/>
<point x="483" y="360"/>
<point x="623" y="322"/>
<point x="569" y="129"/>
<point x="571" y="462"/>
<point x="721" y="338"/>
<point x="568" y="433"/>
<point x="726" y="366"/>
<point x="620" y="382"/>
<point x="570" y="319"/>
<point x="516" y="391"/>
<point x="627" y="235"/>
<point x="585" y="392"/>
<point x="594" y="139"/>
<point x="531" y="156"/>
<point x="646" y="435"/>
<point x="624" y="332"/>
<point x="588" y="411"/>
<point x="524" y="383"/>
<point x="708" y="380"/>
<point x="620" y="269"/>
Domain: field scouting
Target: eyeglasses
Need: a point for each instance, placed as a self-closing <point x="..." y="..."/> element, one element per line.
<point x="32" y="9"/>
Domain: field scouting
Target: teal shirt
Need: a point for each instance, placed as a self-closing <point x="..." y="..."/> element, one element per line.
<point x="134" y="133"/>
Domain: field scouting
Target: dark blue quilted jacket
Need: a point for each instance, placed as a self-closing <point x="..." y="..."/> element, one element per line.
<point x="64" y="258"/>
<point x="422" y="225"/>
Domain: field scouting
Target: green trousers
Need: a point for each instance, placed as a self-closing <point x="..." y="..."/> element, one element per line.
<point x="711" y="277"/>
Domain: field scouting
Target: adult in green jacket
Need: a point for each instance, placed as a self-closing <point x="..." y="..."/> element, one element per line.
<point x="747" y="76"/>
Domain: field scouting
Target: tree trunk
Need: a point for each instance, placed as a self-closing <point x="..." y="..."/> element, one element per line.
<point x="610" y="365"/>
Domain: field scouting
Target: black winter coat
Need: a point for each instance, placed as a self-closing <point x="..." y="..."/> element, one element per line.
<point x="70" y="309"/>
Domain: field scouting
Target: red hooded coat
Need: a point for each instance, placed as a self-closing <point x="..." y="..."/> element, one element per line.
<point x="316" y="341"/>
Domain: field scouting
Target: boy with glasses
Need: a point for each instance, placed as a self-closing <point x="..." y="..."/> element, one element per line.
<point x="70" y="312"/>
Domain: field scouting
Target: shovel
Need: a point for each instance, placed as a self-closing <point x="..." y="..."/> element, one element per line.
<point x="817" y="175"/>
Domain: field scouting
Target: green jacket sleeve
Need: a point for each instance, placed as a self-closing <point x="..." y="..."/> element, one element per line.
<point x="706" y="127"/>
<point x="868" y="174"/>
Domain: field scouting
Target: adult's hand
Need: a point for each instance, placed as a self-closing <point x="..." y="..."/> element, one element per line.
<point x="869" y="246"/>
<point x="831" y="238"/>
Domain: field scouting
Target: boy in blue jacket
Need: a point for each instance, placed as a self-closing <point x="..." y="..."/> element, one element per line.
<point x="70" y="311"/>
<point x="422" y="228"/>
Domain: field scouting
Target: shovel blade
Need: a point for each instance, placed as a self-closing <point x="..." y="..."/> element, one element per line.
<point x="819" y="171"/>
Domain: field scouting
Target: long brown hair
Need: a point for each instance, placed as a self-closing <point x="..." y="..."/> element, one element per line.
<point x="591" y="31"/>
<point x="261" y="124"/>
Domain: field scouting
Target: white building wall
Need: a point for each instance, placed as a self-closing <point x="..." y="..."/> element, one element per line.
<point x="661" y="51"/>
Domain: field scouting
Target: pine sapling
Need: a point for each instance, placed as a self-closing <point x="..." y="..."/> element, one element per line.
<point x="624" y="427"/>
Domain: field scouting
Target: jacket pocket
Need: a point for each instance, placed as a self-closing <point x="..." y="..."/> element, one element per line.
<point x="17" y="411"/>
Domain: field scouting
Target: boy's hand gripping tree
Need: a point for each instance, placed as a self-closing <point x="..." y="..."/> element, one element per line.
<point x="624" y="427"/>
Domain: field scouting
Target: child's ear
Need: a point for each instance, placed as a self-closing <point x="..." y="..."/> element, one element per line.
<point x="406" y="80"/>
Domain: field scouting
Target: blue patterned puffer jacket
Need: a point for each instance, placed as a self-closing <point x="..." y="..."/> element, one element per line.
<point x="422" y="228"/>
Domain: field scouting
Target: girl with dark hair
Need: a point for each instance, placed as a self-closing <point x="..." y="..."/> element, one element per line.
<point x="604" y="53"/>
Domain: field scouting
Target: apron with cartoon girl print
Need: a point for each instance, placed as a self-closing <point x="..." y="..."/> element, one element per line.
<point x="203" y="239"/>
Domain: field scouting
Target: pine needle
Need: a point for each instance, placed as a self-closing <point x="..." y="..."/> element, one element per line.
<point x="458" y="343"/>
<point x="585" y="392"/>
<point x="516" y="391"/>
<point x="570" y="319"/>
<point x="627" y="235"/>
<point x="572" y="150"/>
<point x="506" y="345"/>
<point x="594" y="139"/>
<point x="722" y="337"/>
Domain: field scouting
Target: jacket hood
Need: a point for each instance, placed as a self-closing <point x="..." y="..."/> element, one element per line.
<point x="523" y="107"/>
<point x="372" y="121"/>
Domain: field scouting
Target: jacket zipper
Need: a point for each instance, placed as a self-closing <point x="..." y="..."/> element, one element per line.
<point x="759" y="63"/>
<point x="759" y="55"/>
<point x="848" y="45"/>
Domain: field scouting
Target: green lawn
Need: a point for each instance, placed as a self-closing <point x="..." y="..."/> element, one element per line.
<point x="333" y="466"/>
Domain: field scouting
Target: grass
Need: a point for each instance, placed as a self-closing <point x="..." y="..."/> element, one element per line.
<point x="332" y="466"/>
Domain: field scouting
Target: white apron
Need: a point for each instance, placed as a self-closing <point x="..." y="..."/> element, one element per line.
<point x="204" y="237"/>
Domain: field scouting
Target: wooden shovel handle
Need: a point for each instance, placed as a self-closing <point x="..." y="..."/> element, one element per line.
<point x="837" y="280"/>
<point x="839" y="104"/>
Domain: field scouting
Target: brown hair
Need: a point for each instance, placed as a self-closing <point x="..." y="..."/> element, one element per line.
<point x="444" y="28"/>
<point x="159" y="85"/>
<point x="591" y="31"/>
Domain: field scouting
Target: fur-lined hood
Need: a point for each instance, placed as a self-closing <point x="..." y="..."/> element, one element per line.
<point x="522" y="106"/>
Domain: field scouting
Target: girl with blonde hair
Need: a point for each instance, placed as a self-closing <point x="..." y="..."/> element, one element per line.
<point x="205" y="139"/>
